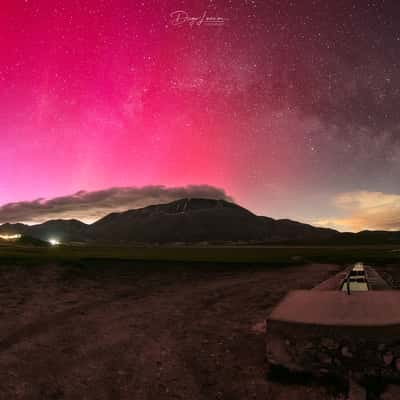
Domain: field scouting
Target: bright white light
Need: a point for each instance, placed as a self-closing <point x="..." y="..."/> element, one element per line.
<point x="54" y="242"/>
<point x="10" y="237"/>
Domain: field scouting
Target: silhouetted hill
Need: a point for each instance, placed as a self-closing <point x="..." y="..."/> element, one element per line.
<point x="194" y="221"/>
<point x="13" y="229"/>
<point x="200" y="220"/>
<point x="370" y="237"/>
<point x="186" y="220"/>
<point x="65" y="230"/>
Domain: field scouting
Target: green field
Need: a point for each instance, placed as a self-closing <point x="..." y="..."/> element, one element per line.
<point x="234" y="254"/>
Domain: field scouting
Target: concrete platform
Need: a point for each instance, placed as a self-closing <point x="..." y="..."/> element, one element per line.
<point x="337" y="308"/>
<point x="326" y="330"/>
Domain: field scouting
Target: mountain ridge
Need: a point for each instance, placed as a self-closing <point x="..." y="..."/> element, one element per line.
<point x="192" y="220"/>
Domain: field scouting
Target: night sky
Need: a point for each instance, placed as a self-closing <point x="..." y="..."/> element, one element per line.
<point x="291" y="107"/>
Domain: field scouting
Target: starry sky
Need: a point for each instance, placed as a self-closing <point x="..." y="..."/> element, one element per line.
<point x="290" y="108"/>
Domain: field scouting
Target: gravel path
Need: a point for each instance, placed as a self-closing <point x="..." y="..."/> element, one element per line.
<point x="136" y="331"/>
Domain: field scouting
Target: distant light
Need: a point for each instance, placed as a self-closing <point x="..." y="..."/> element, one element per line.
<point x="10" y="237"/>
<point x="54" y="242"/>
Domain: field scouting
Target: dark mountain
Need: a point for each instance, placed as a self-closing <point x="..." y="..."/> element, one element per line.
<point x="186" y="220"/>
<point x="287" y="230"/>
<point x="200" y="220"/>
<point x="193" y="221"/>
<point x="64" y="230"/>
<point x="370" y="237"/>
<point x="70" y="230"/>
<point x="13" y="229"/>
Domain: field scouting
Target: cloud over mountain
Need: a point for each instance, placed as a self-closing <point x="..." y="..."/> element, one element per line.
<point x="90" y="206"/>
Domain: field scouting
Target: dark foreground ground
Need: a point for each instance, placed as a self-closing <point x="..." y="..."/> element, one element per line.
<point x="146" y="331"/>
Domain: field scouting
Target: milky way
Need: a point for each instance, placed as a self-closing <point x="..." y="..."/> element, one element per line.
<point x="289" y="106"/>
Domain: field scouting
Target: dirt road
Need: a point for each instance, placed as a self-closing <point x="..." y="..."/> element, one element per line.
<point x="134" y="331"/>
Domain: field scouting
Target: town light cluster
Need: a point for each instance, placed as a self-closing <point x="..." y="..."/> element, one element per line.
<point x="10" y="237"/>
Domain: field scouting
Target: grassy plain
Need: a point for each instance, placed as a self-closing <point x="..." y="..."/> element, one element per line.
<point x="282" y="255"/>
